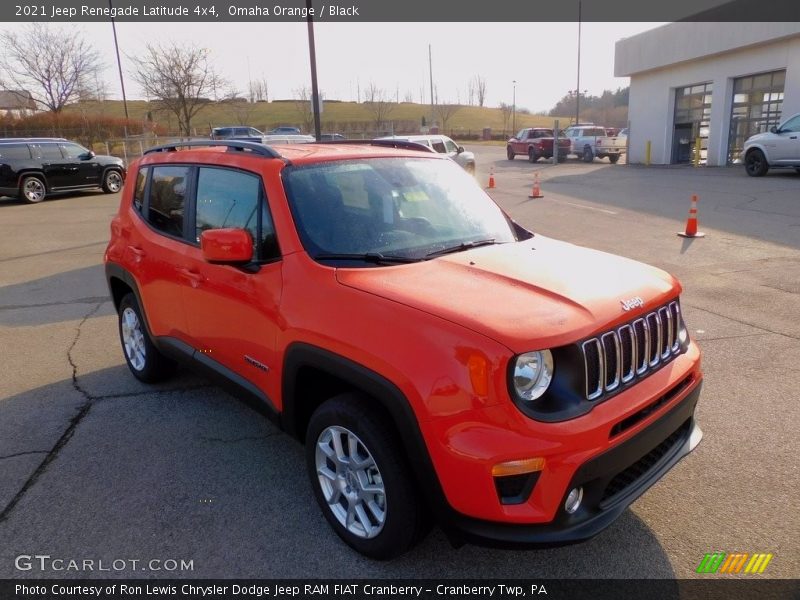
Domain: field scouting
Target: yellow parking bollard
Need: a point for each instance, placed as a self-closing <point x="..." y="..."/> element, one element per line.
<point x="647" y="153"/>
<point x="697" y="149"/>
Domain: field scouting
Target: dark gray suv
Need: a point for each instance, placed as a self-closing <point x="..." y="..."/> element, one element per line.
<point x="33" y="168"/>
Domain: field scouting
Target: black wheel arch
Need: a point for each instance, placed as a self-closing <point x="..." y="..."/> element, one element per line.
<point x="26" y="173"/>
<point x="302" y="358"/>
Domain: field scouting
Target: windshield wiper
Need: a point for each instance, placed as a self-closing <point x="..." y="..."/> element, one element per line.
<point x="460" y="247"/>
<point x="369" y="257"/>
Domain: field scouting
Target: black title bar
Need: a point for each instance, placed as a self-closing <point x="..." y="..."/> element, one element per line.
<point x="494" y="11"/>
<point x="710" y="588"/>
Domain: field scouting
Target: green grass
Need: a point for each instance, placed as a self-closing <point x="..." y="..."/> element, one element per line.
<point x="336" y="116"/>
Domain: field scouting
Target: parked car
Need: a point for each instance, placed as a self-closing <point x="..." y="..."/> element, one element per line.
<point x="521" y="390"/>
<point x="285" y="130"/>
<point x="779" y="147"/>
<point x="588" y="141"/>
<point x="286" y="138"/>
<point x="331" y="137"/>
<point x="33" y="168"/>
<point x="443" y="145"/>
<point x="226" y="133"/>
<point x="536" y="143"/>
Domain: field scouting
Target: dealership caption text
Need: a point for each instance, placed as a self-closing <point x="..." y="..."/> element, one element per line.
<point x="188" y="12"/>
<point x="225" y="591"/>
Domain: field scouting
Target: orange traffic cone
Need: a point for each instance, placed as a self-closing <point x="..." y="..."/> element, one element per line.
<point x="691" y="222"/>
<point x="536" y="192"/>
<point x="491" y="178"/>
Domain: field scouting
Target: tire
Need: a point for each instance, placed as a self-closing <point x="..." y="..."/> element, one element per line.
<point x="32" y="189"/>
<point x="389" y="518"/>
<point x="532" y="156"/>
<point x="143" y="359"/>
<point x="112" y="181"/>
<point x="510" y="153"/>
<point x="755" y="163"/>
<point x="613" y="159"/>
<point x="588" y="155"/>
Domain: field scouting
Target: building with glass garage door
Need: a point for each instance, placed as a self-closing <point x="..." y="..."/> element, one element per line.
<point x="716" y="82"/>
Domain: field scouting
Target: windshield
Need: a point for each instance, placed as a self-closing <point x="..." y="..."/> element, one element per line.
<point x="391" y="207"/>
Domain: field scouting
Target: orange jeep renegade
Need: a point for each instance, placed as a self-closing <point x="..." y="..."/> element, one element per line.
<point x="438" y="361"/>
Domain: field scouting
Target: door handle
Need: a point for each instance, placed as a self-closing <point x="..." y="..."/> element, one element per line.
<point x="195" y="278"/>
<point x="793" y="137"/>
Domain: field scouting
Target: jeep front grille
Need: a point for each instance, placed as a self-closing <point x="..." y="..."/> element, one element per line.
<point x="632" y="350"/>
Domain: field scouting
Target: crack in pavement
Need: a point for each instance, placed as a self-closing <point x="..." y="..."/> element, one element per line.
<point x="743" y="322"/>
<point x="24" y="454"/>
<point x="239" y="439"/>
<point x="89" y="400"/>
<point x="90" y="300"/>
<point x="73" y="422"/>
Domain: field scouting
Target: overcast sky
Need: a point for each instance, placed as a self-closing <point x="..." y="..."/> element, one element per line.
<point x="541" y="57"/>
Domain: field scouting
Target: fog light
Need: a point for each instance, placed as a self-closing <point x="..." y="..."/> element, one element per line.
<point x="574" y="499"/>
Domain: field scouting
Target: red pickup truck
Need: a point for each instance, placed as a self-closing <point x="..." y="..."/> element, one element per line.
<point x="535" y="143"/>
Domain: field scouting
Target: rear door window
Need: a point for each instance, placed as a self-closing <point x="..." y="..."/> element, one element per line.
<point x="167" y="199"/>
<point x="49" y="151"/>
<point x="11" y="151"/>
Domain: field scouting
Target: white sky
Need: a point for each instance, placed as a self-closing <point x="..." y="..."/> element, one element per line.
<point x="541" y="57"/>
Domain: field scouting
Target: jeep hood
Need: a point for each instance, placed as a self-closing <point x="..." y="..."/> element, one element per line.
<point x="539" y="293"/>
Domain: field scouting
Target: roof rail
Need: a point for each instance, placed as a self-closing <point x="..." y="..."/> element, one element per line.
<point x="404" y="144"/>
<point x="232" y="145"/>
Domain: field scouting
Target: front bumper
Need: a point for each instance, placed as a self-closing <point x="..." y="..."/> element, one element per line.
<point x="611" y="482"/>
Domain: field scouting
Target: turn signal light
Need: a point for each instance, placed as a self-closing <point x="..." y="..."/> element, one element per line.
<point x="518" y="467"/>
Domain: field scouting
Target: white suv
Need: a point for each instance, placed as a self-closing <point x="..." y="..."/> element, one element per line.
<point x="443" y="145"/>
<point x="778" y="147"/>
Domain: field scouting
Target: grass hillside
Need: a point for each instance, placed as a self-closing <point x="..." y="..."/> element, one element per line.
<point x="344" y="117"/>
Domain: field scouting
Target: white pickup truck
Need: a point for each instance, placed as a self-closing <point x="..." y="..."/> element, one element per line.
<point x="588" y="141"/>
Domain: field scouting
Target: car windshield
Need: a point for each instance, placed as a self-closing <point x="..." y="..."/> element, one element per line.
<point x="393" y="208"/>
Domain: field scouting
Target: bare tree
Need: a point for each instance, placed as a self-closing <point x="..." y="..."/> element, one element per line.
<point x="241" y="108"/>
<point x="377" y="104"/>
<point x="180" y="78"/>
<point x="302" y="104"/>
<point x="259" y="90"/>
<point x="444" y="112"/>
<point x="409" y="97"/>
<point x="52" y="64"/>
<point x="506" y="110"/>
<point x="480" y="89"/>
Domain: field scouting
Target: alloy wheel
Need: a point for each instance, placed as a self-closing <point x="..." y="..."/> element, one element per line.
<point x="351" y="482"/>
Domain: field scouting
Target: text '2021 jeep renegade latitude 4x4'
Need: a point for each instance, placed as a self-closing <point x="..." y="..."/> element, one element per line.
<point x="435" y="358"/>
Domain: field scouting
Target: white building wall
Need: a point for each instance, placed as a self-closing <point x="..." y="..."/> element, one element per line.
<point x="652" y="94"/>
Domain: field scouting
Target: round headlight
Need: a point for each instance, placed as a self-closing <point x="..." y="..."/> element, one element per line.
<point x="533" y="372"/>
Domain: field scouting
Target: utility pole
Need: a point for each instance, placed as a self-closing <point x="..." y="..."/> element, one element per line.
<point x="312" y="53"/>
<point x="514" y="109"/>
<point x="578" y="87"/>
<point x="119" y="65"/>
<point x="430" y="68"/>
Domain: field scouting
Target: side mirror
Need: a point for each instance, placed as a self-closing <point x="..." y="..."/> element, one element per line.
<point x="773" y="129"/>
<point x="227" y="246"/>
<point x="87" y="155"/>
<point x="459" y="150"/>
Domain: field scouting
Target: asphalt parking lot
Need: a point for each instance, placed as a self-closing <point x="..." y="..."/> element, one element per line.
<point x="94" y="465"/>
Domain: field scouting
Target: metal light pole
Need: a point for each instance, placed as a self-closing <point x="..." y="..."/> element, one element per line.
<point x="514" y="109"/>
<point x="119" y="63"/>
<point x="578" y="87"/>
<point x="312" y="54"/>
<point x="430" y="68"/>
